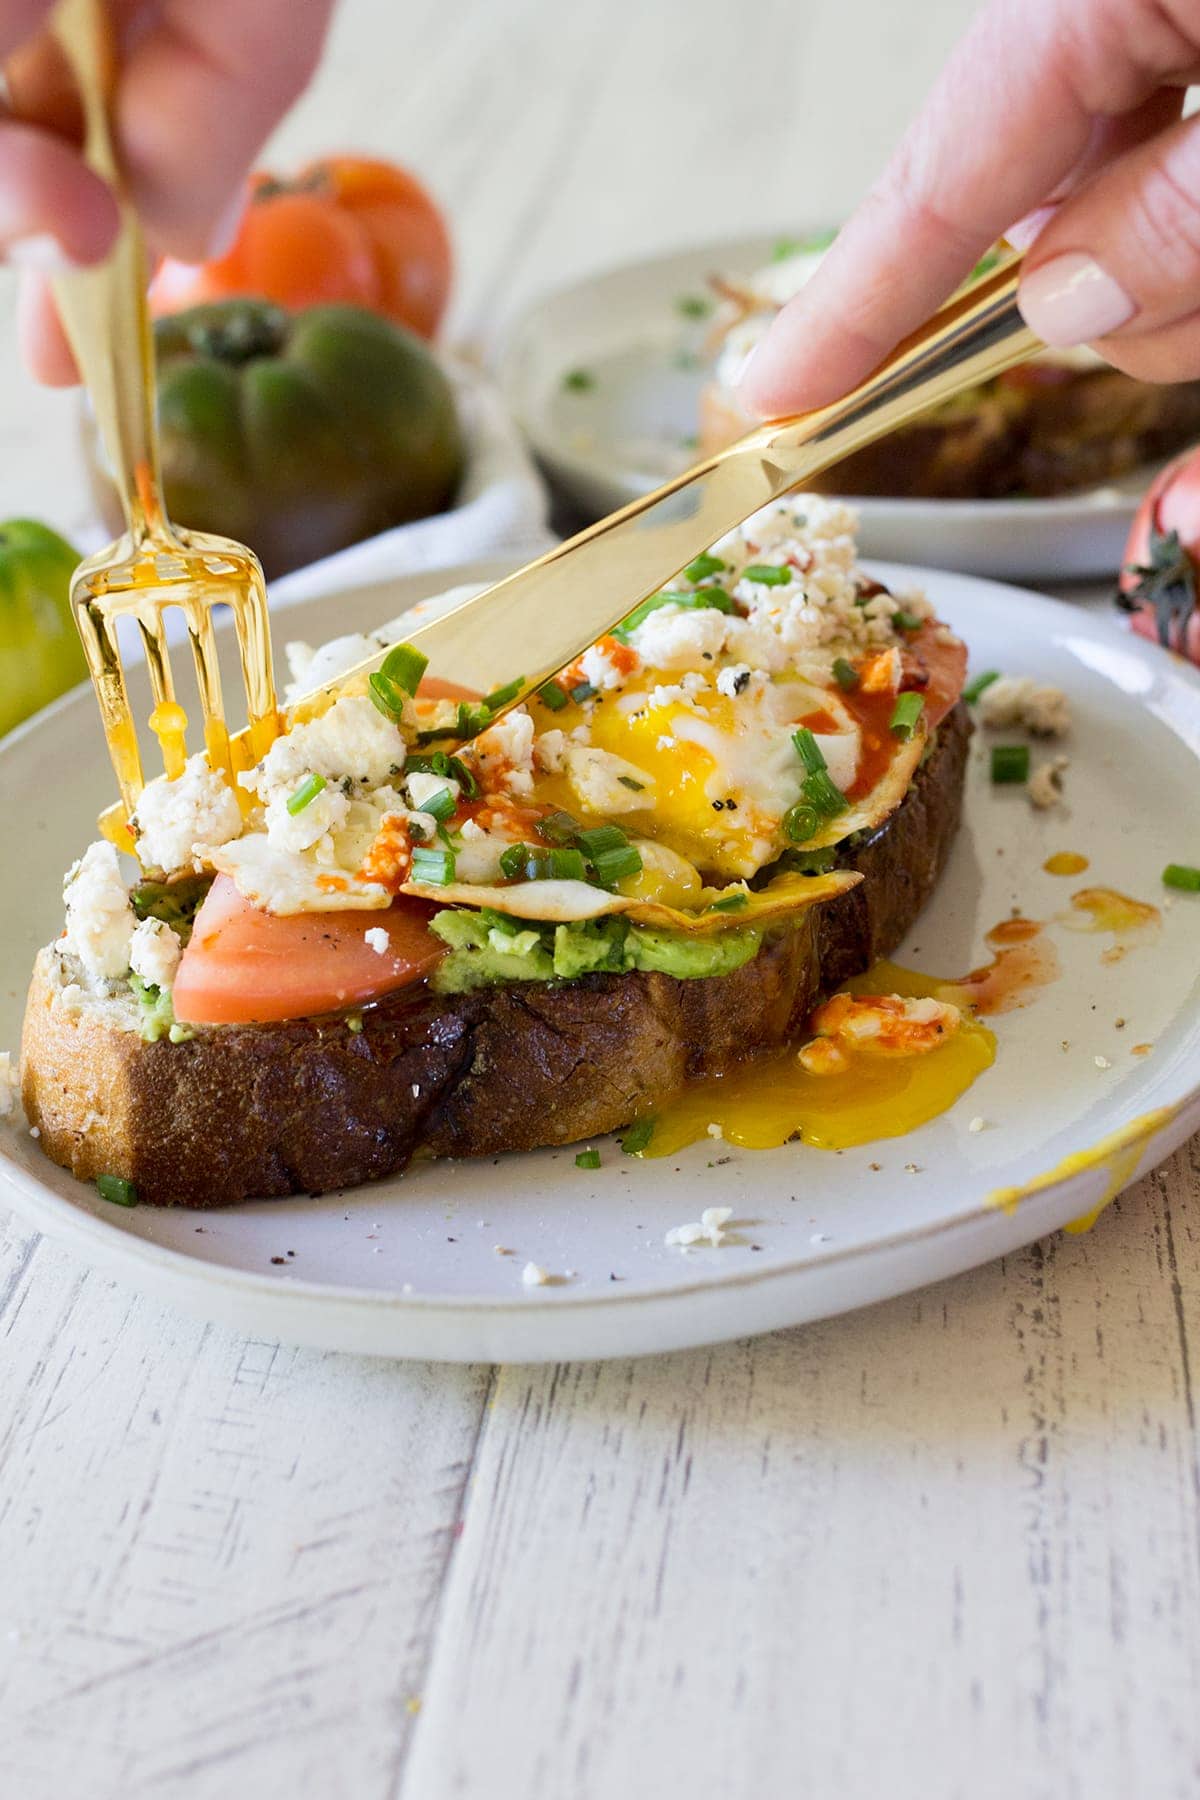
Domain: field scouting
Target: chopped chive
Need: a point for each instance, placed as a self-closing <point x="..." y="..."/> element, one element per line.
<point x="452" y="768"/>
<point x="583" y="690"/>
<point x="730" y="903"/>
<point x="905" y="714"/>
<point x="906" y="621"/>
<point x="405" y="666"/>
<point x="845" y="674"/>
<point x="567" y="864"/>
<point x="553" y="695"/>
<point x="600" y="838"/>
<point x="1010" y="763"/>
<point x="1183" y="877"/>
<point x="434" y="867"/>
<point x="703" y="599"/>
<point x="588" y="1159"/>
<point x="513" y="860"/>
<point x="637" y="1137"/>
<point x="305" y="794"/>
<point x="471" y="719"/>
<point x="704" y="564"/>
<point x="439" y="806"/>
<point x="808" y="750"/>
<point x="390" y="699"/>
<point x="635" y="787"/>
<point x="694" y="306"/>
<point x="822" y="792"/>
<point x="613" y="865"/>
<point x="502" y="695"/>
<point x="578" y="381"/>
<point x="801" y="822"/>
<point x="769" y="574"/>
<point x="979" y="685"/>
<point x="558" y="828"/>
<point x="116" y="1189"/>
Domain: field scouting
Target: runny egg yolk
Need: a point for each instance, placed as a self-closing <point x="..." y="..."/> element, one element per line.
<point x="721" y="770"/>
<point x="865" y="1095"/>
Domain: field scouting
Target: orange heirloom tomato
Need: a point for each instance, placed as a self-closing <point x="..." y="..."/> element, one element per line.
<point x="346" y="229"/>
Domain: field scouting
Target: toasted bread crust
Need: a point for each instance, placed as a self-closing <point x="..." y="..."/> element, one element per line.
<point x="268" y="1110"/>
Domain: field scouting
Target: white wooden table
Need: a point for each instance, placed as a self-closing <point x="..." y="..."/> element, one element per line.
<point x="946" y="1548"/>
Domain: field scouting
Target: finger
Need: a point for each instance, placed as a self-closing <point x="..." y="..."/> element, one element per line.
<point x="216" y="73"/>
<point x="44" y="347"/>
<point x="1109" y="140"/>
<point x="1030" y="74"/>
<point x="54" y="213"/>
<point x="1123" y="256"/>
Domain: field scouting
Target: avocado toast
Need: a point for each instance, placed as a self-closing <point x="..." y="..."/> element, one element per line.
<point x="424" y="926"/>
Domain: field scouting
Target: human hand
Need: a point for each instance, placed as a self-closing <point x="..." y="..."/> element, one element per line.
<point x="202" y="84"/>
<point x="1056" y="123"/>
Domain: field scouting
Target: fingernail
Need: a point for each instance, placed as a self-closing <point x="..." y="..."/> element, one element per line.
<point x="1072" y="300"/>
<point x="223" y="235"/>
<point x="1027" y="230"/>
<point x="41" y="252"/>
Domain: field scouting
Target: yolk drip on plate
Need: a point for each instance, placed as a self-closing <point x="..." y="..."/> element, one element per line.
<point x="776" y="1098"/>
<point x="1065" y="862"/>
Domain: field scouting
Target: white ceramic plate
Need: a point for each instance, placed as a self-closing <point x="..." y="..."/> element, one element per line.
<point x="634" y="427"/>
<point x="409" y="1268"/>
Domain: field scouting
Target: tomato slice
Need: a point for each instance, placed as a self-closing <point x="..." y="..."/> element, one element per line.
<point x="244" y="966"/>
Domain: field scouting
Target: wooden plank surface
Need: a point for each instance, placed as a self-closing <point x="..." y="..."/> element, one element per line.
<point x="947" y="1547"/>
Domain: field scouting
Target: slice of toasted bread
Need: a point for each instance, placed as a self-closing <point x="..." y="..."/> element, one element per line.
<point x="265" y="1110"/>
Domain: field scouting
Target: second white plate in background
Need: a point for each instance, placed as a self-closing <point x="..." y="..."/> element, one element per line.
<point x="632" y="426"/>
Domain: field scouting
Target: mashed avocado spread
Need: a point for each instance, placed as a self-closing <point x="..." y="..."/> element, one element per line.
<point x="488" y="947"/>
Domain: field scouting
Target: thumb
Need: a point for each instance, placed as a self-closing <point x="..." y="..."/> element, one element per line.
<point x="1119" y="263"/>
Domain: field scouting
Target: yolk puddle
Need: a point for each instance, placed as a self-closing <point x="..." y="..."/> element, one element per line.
<point x="1130" y="922"/>
<point x="1065" y="862"/>
<point x="767" y="1102"/>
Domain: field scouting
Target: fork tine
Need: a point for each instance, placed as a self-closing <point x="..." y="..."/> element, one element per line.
<point x="168" y="721"/>
<point x="208" y="681"/>
<point x="254" y="643"/>
<point x="98" y="634"/>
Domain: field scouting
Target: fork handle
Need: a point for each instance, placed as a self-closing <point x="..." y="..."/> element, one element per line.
<point x="103" y="307"/>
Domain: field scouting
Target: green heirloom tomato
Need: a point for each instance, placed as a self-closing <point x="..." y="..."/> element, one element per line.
<point x="300" y="434"/>
<point x="40" y="652"/>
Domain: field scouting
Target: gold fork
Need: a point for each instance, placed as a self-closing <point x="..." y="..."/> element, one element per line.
<point x="154" y="565"/>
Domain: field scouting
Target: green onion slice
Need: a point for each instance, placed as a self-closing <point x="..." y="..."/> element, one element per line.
<point x="116" y="1189"/>
<point x="601" y="837"/>
<point x="439" y="806"/>
<point x="390" y="699"/>
<point x="730" y="903"/>
<point x="905" y="714"/>
<point x="1010" y="764"/>
<point x="845" y="674"/>
<point x="553" y="695"/>
<point x="906" y="621"/>
<point x="801" y="822"/>
<point x="305" y="794"/>
<point x="1183" y="877"/>
<point x="588" y="1159"/>
<point x="613" y="865"/>
<point x="558" y="828"/>
<point x="705" y="564"/>
<point x="980" y="685"/>
<point x="637" y="1137"/>
<point x="404" y="666"/>
<point x="808" y="750"/>
<point x="502" y="695"/>
<point x="513" y="860"/>
<point x="434" y="867"/>
<point x="819" y="790"/>
<point x="769" y="574"/>
<point x="566" y="864"/>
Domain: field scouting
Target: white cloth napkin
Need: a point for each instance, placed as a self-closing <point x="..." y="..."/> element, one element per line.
<point x="501" y="510"/>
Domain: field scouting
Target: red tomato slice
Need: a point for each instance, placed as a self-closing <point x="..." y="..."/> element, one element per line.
<point x="244" y="966"/>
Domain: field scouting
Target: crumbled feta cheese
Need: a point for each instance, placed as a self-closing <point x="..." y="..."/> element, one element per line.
<point x="504" y="752"/>
<point x="709" y="1230"/>
<point x="422" y="786"/>
<point x="377" y="939"/>
<point x="1046" y="784"/>
<point x="296" y="831"/>
<point x="533" y="1275"/>
<point x="154" y="953"/>
<point x="735" y="679"/>
<point x="604" y="783"/>
<point x="100" y="920"/>
<point x="1102" y="1062"/>
<point x="548" y="751"/>
<point x="10" y="1085"/>
<point x="351" y="742"/>
<point x="977" y="1124"/>
<point x="597" y="667"/>
<point x="675" y="637"/>
<point x="173" y="818"/>
<point x="1020" y="701"/>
